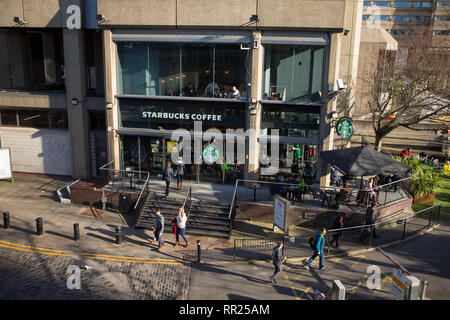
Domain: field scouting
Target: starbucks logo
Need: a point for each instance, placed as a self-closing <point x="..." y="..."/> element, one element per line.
<point x="210" y="153"/>
<point x="345" y="128"/>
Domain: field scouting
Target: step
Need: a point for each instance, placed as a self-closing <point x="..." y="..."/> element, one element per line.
<point x="170" y="211"/>
<point x="194" y="231"/>
<point x="169" y="215"/>
<point x="192" y="220"/>
<point x="192" y="224"/>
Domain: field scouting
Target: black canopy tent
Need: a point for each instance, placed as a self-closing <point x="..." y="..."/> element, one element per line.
<point x="364" y="161"/>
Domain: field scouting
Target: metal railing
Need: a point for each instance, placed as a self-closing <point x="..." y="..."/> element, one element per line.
<point x="349" y="239"/>
<point x="330" y="196"/>
<point x="126" y="181"/>
<point x="232" y="213"/>
<point x="188" y="200"/>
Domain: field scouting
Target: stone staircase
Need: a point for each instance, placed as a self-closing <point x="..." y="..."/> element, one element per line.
<point x="204" y="218"/>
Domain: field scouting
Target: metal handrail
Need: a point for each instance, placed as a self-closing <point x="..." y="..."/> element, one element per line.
<point x="188" y="194"/>
<point x="142" y="191"/>
<point x="234" y="198"/>
<point x="387" y="184"/>
<point x="386" y="221"/>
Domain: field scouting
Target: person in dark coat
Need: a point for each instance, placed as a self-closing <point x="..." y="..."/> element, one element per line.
<point x="370" y="217"/>
<point x="277" y="259"/>
<point x="338" y="224"/>
<point x="159" y="229"/>
<point x="167" y="176"/>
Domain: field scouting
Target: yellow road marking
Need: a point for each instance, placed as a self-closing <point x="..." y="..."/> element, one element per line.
<point x="128" y="258"/>
<point x="125" y="260"/>
<point x="305" y="291"/>
<point x="35" y="251"/>
<point x="25" y="246"/>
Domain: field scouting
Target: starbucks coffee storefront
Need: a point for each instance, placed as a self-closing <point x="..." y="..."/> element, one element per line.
<point x="251" y="83"/>
<point x="147" y="125"/>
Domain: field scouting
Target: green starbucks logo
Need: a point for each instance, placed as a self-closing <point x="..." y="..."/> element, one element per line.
<point x="345" y="128"/>
<point x="210" y="153"/>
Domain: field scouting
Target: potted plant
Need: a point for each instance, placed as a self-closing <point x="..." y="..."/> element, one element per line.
<point x="424" y="184"/>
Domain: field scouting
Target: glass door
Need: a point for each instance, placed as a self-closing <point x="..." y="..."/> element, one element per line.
<point x="152" y="155"/>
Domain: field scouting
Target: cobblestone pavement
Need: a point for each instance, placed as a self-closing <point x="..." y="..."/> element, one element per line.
<point x="27" y="274"/>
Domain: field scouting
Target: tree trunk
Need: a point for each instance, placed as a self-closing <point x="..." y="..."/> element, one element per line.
<point x="378" y="142"/>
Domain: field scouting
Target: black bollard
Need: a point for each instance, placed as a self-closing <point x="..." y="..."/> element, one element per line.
<point x="118" y="235"/>
<point x="6" y="221"/>
<point x="199" y="252"/>
<point x="39" y="227"/>
<point x="76" y="232"/>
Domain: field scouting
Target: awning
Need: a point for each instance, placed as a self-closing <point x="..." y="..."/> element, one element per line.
<point x="300" y="38"/>
<point x="236" y="37"/>
<point x="364" y="161"/>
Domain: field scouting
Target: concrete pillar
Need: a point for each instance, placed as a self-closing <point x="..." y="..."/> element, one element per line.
<point x="326" y="132"/>
<point x="99" y="68"/>
<point x="255" y="113"/>
<point x="112" y="110"/>
<point x="76" y="88"/>
<point x="50" y="67"/>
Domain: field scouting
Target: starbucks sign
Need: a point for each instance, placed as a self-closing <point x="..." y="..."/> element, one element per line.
<point x="345" y="128"/>
<point x="210" y="153"/>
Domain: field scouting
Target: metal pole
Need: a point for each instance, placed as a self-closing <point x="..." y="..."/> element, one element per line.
<point x="39" y="227"/>
<point x="404" y="230"/>
<point x="234" y="251"/>
<point x="199" y="252"/>
<point x="118" y="235"/>
<point x="6" y="221"/>
<point x="76" y="232"/>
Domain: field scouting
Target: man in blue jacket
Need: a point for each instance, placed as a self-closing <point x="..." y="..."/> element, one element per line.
<point x="318" y="250"/>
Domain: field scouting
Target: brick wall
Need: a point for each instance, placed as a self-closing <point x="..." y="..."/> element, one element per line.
<point x="45" y="151"/>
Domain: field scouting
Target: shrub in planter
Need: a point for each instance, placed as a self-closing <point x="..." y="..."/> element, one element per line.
<point x="424" y="184"/>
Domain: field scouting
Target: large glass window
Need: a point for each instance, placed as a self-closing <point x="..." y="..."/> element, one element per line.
<point x="380" y="17"/>
<point x="8" y="118"/>
<point x="420" y="18"/>
<point x="33" y="119"/>
<point x="402" y="4"/>
<point x="441" y="18"/>
<point x="382" y="3"/>
<point x="293" y="73"/>
<point x="400" y="18"/>
<point x="422" y="4"/>
<point x="443" y="3"/>
<point x="290" y="121"/>
<point x="59" y="120"/>
<point x="182" y="69"/>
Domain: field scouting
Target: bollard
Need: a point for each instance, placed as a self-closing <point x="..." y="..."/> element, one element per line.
<point x="6" y="221"/>
<point x="76" y="232"/>
<point x="39" y="227"/>
<point x="199" y="252"/>
<point x="424" y="289"/>
<point x="118" y="235"/>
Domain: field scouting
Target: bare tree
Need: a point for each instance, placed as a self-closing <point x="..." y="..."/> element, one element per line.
<point x="410" y="86"/>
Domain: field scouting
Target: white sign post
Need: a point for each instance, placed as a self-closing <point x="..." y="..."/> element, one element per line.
<point x="398" y="283"/>
<point x="5" y="164"/>
<point x="280" y="214"/>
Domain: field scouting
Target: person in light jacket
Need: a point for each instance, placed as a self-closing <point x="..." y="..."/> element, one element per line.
<point x="181" y="227"/>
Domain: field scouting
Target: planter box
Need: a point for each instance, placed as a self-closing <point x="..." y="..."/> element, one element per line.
<point x="425" y="199"/>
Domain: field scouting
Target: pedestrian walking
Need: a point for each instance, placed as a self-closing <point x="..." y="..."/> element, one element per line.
<point x="181" y="227"/>
<point x="277" y="259"/>
<point x="371" y="217"/>
<point x="179" y="173"/>
<point x="318" y="249"/>
<point x="338" y="224"/>
<point x="167" y="176"/>
<point x="159" y="229"/>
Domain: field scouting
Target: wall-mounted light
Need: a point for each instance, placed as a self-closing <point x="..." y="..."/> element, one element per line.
<point x="109" y="105"/>
<point x="74" y="101"/>
<point x="255" y="18"/>
<point x="101" y="18"/>
<point x="19" y="21"/>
